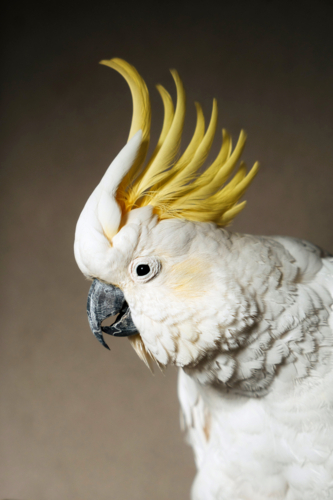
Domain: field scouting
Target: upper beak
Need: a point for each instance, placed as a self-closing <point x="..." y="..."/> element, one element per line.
<point x="104" y="301"/>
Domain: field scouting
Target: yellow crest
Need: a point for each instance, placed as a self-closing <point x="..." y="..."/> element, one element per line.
<point x="173" y="185"/>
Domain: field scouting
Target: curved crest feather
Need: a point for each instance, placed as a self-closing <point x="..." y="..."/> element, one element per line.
<point x="177" y="187"/>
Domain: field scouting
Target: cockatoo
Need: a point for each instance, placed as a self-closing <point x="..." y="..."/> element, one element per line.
<point x="247" y="319"/>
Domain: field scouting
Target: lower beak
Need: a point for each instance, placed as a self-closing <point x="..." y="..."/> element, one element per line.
<point x="104" y="301"/>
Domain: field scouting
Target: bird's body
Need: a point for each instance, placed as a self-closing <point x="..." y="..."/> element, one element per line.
<point x="275" y="442"/>
<point x="247" y="319"/>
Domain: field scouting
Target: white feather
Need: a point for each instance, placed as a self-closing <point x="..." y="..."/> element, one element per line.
<point x="100" y="218"/>
<point x="109" y="213"/>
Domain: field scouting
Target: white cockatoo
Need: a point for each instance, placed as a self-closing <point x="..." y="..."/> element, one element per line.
<point x="248" y="319"/>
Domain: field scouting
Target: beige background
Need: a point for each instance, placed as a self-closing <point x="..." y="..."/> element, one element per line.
<point x="78" y="422"/>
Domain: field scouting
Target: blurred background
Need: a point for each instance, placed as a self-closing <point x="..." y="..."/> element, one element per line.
<point x="78" y="422"/>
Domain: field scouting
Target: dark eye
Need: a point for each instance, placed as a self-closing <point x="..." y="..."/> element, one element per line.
<point x="142" y="269"/>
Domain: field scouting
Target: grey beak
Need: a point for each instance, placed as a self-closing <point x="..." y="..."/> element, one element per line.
<point x="104" y="301"/>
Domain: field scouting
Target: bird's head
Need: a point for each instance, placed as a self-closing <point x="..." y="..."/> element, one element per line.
<point x="150" y="234"/>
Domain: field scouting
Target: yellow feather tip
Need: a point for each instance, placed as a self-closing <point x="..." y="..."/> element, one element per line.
<point x="176" y="187"/>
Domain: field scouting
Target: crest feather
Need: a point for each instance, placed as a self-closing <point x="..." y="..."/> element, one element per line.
<point x="141" y="117"/>
<point x="177" y="188"/>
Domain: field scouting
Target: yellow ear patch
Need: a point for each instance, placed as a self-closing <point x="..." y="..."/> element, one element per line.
<point x="189" y="278"/>
<point x="176" y="186"/>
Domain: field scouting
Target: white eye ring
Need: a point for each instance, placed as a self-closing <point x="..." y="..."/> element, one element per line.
<point x="143" y="269"/>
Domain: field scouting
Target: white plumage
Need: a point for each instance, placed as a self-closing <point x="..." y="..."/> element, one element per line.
<point x="247" y="319"/>
<point x="278" y="445"/>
